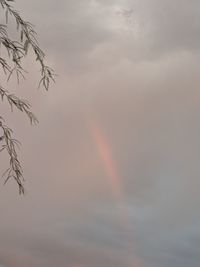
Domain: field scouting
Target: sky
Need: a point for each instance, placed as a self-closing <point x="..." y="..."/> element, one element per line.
<point x="112" y="170"/>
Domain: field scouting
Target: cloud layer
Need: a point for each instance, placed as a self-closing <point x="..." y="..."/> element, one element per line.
<point x="132" y="67"/>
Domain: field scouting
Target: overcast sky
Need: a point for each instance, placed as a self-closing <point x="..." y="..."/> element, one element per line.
<point x="113" y="169"/>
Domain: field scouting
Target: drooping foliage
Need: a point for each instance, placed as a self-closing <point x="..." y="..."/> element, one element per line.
<point x="12" y="52"/>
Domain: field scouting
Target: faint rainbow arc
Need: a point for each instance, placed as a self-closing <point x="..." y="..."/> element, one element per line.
<point x="106" y="156"/>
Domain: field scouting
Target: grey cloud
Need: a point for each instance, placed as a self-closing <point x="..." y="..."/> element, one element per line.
<point x="167" y="27"/>
<point x="162" y="28"/>
<point x="142" y="87"/>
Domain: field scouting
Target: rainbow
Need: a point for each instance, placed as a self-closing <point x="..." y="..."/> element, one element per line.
<point x="105" y="152"/>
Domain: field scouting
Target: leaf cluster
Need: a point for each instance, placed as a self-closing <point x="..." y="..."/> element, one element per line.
<point x="14" y="52"/>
